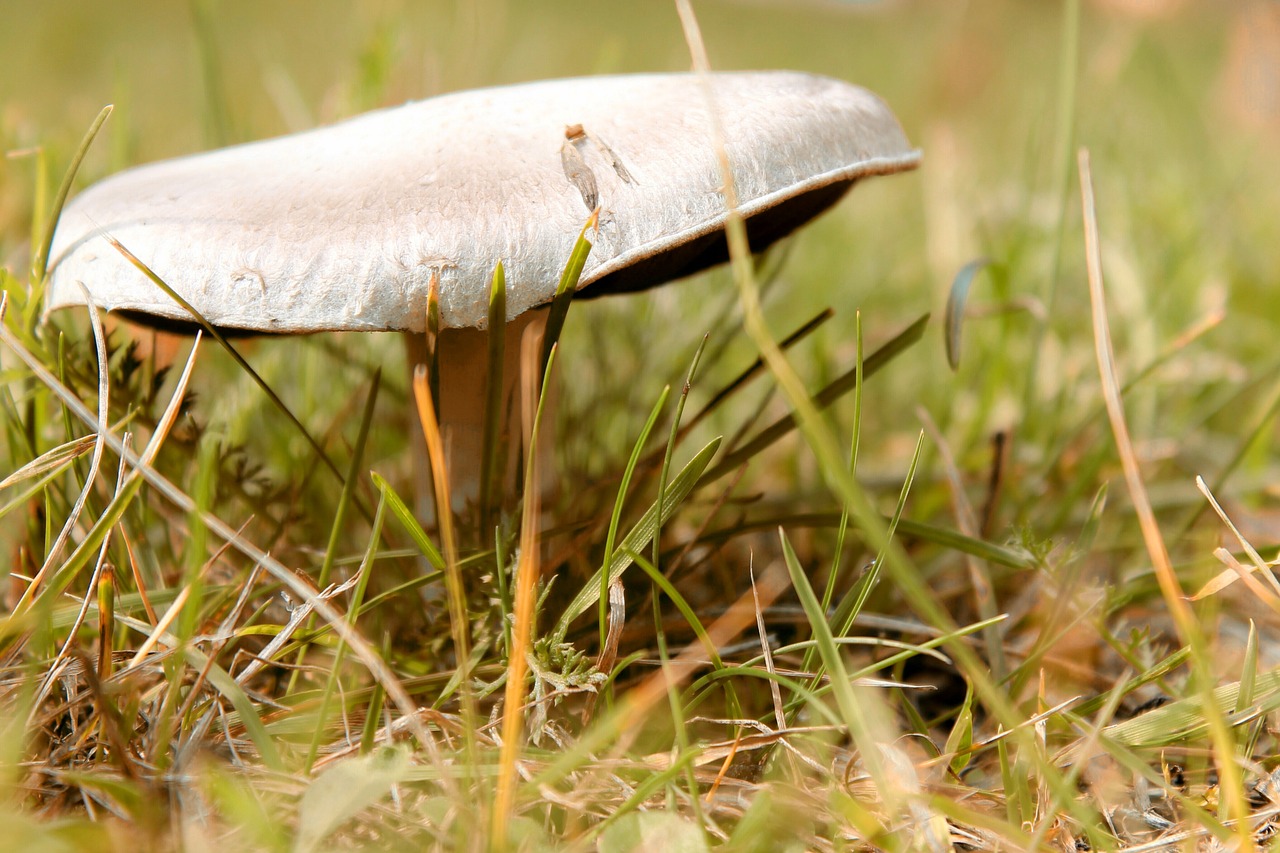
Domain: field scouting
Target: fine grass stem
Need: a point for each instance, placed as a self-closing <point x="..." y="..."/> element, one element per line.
<point x="1188" y="627"/>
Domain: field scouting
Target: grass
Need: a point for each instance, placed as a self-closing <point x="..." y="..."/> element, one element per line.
<point x="812" y="579"/>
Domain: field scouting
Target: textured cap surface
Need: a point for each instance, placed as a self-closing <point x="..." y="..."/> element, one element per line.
<point x="343" y="226"/>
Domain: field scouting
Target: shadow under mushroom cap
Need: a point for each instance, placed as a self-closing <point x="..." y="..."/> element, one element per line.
<point x="341" y="228"/>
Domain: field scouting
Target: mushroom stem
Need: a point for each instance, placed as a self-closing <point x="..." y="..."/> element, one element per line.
<point x="463" y="366"/>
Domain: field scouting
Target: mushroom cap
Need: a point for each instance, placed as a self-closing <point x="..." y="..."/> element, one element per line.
<point x="342" y="227"/>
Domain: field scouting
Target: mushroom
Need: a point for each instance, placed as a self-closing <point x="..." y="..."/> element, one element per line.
<point x="344" y="227"/>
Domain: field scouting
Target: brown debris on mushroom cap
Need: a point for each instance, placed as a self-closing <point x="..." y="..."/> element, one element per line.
<point x="341" y="228"/>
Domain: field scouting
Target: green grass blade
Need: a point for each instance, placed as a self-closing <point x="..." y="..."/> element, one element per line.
<point x="331" y="550"/>
<point x="757" y="367"/>
<point x="828" y="395"/>
<point x="407" y="519"/>
<point x="616" y="518"/>
<point x="494" y="405"/>
<point x="1185" y="718"/>
<point x="852" y="710"/>
<point x="40" y="260"/>
<point x="957" y="297"/>
<point x="635" y="541"/>
<point x="566" y="290"/>
<point x="687" y="611"/>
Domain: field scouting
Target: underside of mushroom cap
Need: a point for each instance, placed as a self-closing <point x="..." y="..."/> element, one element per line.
<point x="342" y="228"/>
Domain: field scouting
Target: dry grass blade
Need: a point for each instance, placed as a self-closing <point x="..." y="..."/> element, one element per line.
<point x="104" y="387"/>
<point x="526" y="591"/>
<point x="1235" y="570"/>
<point x="52" y="460"/>
<point x="98" y="575"/>
<point x="1175" y="600"/>
<point x="779" y="713"/>
<point x="458" y="620"/>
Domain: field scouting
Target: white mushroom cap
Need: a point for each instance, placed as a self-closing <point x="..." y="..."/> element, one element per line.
<point x="341" y="228"/>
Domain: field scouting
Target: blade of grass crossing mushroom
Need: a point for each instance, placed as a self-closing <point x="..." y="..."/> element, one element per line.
<point x="567" y="288"/>
<point x="232" y="351"/>
<point x="524" y="605"/>
<point x="284" y="576"/>
<point x="905" y="574"/>
<point x="681" y="485"/>
<point x="616" y="517"/>
<point x="458" y="620"/>
<point x="494" y="406"/>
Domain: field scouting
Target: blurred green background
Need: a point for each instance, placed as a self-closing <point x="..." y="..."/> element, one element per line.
<point x="1178" y="101"/>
